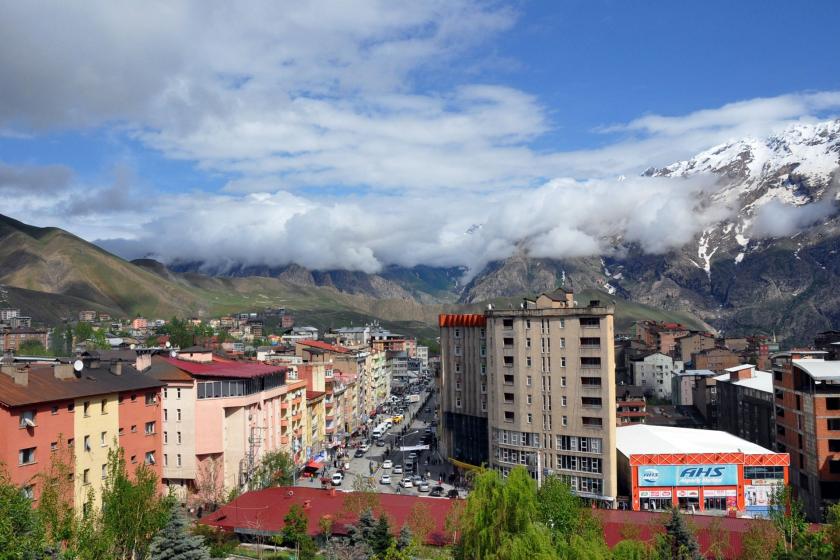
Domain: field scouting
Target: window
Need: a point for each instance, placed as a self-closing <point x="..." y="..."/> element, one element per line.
<point x="178" y="393"/>
<point x="591" y="402"/>
<point x="508" y="361"/>
<point x="763" y="472"/>
<point x="527" y="323"/>
<point x="120" y="399"/>
<point x="528" y="361"/>
<point x="458" y="402"/>
<point x="165" y="460"/>
<point x="54" y="446"/>
<point x="528" y="399"/>
<point x="508" y="379"/>
<point x="133" y="397"/>
<point x="508" y="416"/>
<point x="86" y="408"/>
<point x="121" y="431"/>
<point x="26" y="456"/>
<point x="483" y="388"/>
<point x="564" y="421"/>
<point x="457" y="350"/>
<point x="165" y="393"/>
<point x="165" y="415"/>
<point x="134" y="428"/>
<point x="104" y="472"/>
<point x="530" y="417"/>
<point x="86" y="476"/>
<point x="179" y="438"/>
<point x="562" y="343"/>
<point x="563" y="400"/>
<point x="834" y="445"/>
<point x="55" y="409"/>
<point x="70" y="443"/>
<point x="28" y="492"/>
<point x="483" y="333"/>
<point x="832" y="403"/>
<point x="562" y="381"/>
<point x="590" y="362"/>
<point x="103" y="406"/>
<point x="179" y="414"/>
<point x="103" y="438"/>
<point x="590" y="322"/>
<point x="528" y="381"/>
<point x="833" y="423"/>
<point x="457" y="333"/>
<point x="590" y="382"/>
<point x="527" y="343"/>
<point x="590" y="342"/>
<point x="834" y="466"/>
<point x="508" y="342"/>
<point x="134" y="459"/>
<point x="507" y="323"/>
<point x="178" y="459"/>
<point x="150" y="399"/>
<point x="150" y="428"/>
<point x="562" y="361"/>
<point x="592" y="422"/>
<point x="87" y="443"/>
<point x="150" y="457"/>
<point x="165" y="437"/>
<point x="508" y="397"/>
<point x="71" y="407"/>
<point x="27" y="419"/>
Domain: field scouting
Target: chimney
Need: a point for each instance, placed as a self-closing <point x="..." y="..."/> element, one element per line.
<point x="64" y="371"/>
<point x="307" y="504"/>
<point x="741" y="374"/>
<point x="19" y="373"/>
<point x="116" y="368"/>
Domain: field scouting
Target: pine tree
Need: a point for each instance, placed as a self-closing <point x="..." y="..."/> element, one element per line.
<point x="173" y="542"/>
<point x="678" y="542"/>
<point x="404" y="540"/>
<point x="381" y="538"/>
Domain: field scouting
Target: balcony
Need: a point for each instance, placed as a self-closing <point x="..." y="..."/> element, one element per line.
<point x="284" y="406"/>
<point x="284" y="440"/>
<point x="284" y="422"/>
<point x="297" y="401"/>
<point x="297" y="417"/>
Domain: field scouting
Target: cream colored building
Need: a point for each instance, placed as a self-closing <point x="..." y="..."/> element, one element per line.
<point x="96" y="429"/>
<point x="544" y="375"/>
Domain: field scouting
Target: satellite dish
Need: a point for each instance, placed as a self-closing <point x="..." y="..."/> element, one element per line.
<point x="78" y="365"/>
<point x="133" y="346"/>
<point x="168" y="344"/>
<point x="173" y="353"/>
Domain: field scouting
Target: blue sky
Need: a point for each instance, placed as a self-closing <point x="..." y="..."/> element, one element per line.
<point x="323" y="107"/>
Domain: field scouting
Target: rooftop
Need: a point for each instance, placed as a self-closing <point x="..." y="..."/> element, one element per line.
<point x="321" y="345"/>
<point x="696" y="372"/>
<point x="820" y="370"/>
<point x="224" y="368"/>
<point x="645" y="439"/>
<point x="760" y="381"/>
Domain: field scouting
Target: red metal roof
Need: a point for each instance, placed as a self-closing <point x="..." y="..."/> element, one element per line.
<point x="325" y="346"/>
<point x="461" y="320"/>
<point x="312" y="395"/>
<point x="224" y="368"/>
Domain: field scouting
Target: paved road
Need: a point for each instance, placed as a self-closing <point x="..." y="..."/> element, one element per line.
<point x="428" y="461"/>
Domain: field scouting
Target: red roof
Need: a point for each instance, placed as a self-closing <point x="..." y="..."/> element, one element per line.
<point x="312" y="395"/>
<point x="325" y="346"/>
<point x="264" y="510"/>
<point x="224" y="368"/>
<point x="461" y="320"/>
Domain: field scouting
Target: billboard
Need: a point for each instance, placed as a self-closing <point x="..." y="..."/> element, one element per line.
<point x="759" y="498"/>
<point x="688" y="475"/>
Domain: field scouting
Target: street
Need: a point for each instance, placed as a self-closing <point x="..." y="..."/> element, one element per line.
<point x="406" y="434"/>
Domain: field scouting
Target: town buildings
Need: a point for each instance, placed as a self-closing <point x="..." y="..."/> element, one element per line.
<point x="11" y="339"/>
<point x="543" y="377"/>
<point x="715" y="359"/>
<point x="684" y="385"/>
<point x="806" y="390"/>
<point x="654" y="373"/>
<point x="745" y="402"/>
<point x="630" y="405"/>
<point x="52" y="412"/>
<point x="697" y="470"/>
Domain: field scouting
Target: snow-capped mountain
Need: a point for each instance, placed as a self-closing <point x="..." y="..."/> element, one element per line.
<point x="794" y="168"/>
<point x="769" y="262"/>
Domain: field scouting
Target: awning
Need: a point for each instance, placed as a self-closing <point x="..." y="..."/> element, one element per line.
<point x="465" y="466"/>
<point x="314" y="465"/>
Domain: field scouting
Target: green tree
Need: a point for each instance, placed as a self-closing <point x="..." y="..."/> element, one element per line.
<point x="833" y="528"/>
<point x="173" y="542"/>
<point x="276" y="468"/>
<point x="132" y="511"/>
<point x="500" y="519"/>
<point x="678" y="542"/>
<point x="100" y="341"/>
<point x="294" y="526"/>
<point x="83" y="331"/>
<point x="381" y="539"/>
<point x="21" y="532"/>
<point x="405" y="539"/>
<point x="33" y="348"/>
<point x="787" y="515"/>
<point x="760" y="541"/>
<point x="55" y="504"/>
<point x="632" y="550"/>
<point x="220" y="542"/>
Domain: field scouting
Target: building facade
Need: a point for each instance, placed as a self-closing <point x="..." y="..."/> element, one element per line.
<point x="654" y="374"/>
<point x="745" y="404"/>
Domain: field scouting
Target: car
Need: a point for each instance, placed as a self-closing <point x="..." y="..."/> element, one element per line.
<point x="359" y="453"/>
<point x="386" y="479"/>
<point x="424" y="487"/>
<point x="337" y="479"/>
<point x="409" y="465"/>
<point x="437" y="492"/>
<point x="397" y="469"/>
<point x="406" y="483"/>
<point x="380" y="443"/>
<point x="453" y="494"/>
<point x="412" y="455"/>
<point x="365" y="448"/>
<point x="417" y="479"/>
<point x="387" y="464"/>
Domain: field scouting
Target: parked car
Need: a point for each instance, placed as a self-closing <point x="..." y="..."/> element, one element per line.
<point x="380" y="443"/>
<point x="406" y="483"/>
<point x="386" y="479"/>
<point x="424" y="487"/>
<point x="412" y="455"/>
<point x="364" y="448"/>
<point x="453" y="494"/>
<point x="359" y="453"/>
<point x="387" y="464"/>
<point x="417" y="479"/>
<point x="346" y="465"/>
<point x="437" y="492"/>
<point x="397" y="469"/>
<point x="337" y="479"/>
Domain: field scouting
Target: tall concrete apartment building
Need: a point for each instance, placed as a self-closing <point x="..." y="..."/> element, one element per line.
<point x="543" y="376"/>
<point x="807" y="397"/>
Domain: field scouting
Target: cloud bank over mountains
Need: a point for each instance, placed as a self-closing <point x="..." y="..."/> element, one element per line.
<point x="339" y="137"/>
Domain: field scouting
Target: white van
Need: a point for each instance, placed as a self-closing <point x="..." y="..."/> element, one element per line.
<point x="377" y="433"/>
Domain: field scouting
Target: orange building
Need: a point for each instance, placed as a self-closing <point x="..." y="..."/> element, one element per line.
<point x="697" y="470"/>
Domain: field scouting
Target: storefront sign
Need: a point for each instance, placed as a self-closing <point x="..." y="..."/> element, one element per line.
<point x="758" y="499"/>
<point x="710" y="493"/>
<point x="655" y="494"/>
<point x="688" y="493"/>
<point x="688" y="475"/>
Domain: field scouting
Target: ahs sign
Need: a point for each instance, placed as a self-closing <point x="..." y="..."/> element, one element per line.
<point x="695" y="475"/>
